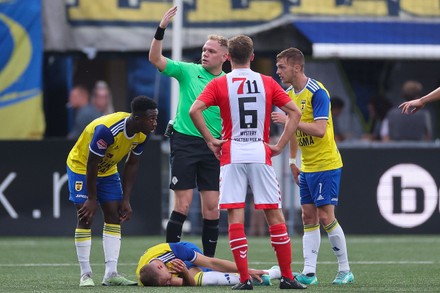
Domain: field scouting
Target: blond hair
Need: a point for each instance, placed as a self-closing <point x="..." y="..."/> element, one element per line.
<point x="148" y="276"/>
<point x="223" y="42"/>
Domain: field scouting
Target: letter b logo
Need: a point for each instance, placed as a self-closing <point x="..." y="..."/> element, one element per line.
<point x="407" y="195"/>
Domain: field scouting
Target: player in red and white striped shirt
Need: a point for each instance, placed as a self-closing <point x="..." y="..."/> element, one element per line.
<point x="245" y="99"/>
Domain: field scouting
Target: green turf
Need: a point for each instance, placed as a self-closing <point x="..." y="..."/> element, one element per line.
<point x="379" y="263"/>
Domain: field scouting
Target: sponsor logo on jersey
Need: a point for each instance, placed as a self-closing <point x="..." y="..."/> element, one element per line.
<point x="101" y="144"/>
<point x="303" y="105"/>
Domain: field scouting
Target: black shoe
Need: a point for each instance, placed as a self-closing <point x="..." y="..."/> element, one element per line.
<point x="246" y="285"/>
<point x="286" y="283"/>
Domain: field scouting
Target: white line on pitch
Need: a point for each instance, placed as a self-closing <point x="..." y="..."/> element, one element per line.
<point x="391" y="262"/>
<point x="253" y="263"/>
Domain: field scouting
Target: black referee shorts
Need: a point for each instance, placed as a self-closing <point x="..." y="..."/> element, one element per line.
<point x="192" y="164"/>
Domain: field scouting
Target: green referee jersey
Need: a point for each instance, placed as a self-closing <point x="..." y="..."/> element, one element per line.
<point x="192" y="80"/>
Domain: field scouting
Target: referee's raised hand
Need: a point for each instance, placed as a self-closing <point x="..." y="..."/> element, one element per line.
<point x="168" y="16"/>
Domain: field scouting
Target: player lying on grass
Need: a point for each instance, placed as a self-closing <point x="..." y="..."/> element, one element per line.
<point x="183" y="264"/>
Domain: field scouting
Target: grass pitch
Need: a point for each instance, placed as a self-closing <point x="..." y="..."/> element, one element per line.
<point x="379" y="263"/>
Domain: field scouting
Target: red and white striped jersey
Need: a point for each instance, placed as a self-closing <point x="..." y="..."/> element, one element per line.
<point x="245" y="99"/>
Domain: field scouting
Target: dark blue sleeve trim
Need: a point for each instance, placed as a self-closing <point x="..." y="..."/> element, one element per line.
<point x="101" y="140"/>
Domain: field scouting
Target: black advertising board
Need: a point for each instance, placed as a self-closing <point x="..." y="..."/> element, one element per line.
<point x="384" y="190"/>
<point x="390" y="190"/>
<point x="34" y="194"/>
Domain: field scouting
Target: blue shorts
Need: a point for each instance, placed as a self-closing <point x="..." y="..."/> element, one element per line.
<point x="195" y="248"/>
<point x="320" y="188"/>
<point x="108" y="188"/>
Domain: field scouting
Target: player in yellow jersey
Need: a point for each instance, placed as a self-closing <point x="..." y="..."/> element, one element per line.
<point x="183" y="264"/>
<point x="93" y="178"/>
<point x="321" y="165"/>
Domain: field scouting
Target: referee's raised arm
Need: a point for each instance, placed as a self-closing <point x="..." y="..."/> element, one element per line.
<point x="155" y="56"/>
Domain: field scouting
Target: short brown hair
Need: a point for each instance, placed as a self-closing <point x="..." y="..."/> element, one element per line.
<point x="82" y="89"/>
<point x="411" y="90"/>
<point x="292" y="55"/>
<point x="240" y="49"/>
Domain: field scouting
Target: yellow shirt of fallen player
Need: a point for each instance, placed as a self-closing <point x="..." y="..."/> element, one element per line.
<point x="166" y="252"/>
<point x="106" y="137"/>
<point x="317" y="154"/>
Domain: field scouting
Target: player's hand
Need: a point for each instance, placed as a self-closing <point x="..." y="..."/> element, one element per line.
<point x="87" y="211"/>
<point x="125" y="211"/>
<point x="168" y="16"/>
<point x="256" y="274"/>
<point x="279" y="118"/>
<point x="275" y="150"/>
<point x="411" y="107"/>
<point x="295" y="172"/>
<point x="178" y="267"/>
<point x="216" y="146"/>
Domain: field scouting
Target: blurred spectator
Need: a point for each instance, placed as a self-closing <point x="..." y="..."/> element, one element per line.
<point x="378" y="107"/>
<point x="417" y="127"/>
<point x="102" y="98"/>
<point x="84" y="111"/>
<point x="337" y="105"/>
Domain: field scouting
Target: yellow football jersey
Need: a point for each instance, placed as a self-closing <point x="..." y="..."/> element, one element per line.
<point x="317" y="154"/>
<point x="106" y="137"/>
<point x="166" y="252"/>
<point x="162" y="251"/>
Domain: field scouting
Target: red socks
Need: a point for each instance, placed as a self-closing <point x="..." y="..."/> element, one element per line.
<point x="280" y="241"/>
<point x="239" y="247"/>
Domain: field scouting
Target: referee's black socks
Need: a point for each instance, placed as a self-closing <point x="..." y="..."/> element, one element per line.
<point x="209" y="236"/>
<point x="174" y="227"/>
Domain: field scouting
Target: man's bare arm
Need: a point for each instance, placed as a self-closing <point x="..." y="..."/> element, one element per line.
<point x="155" y="55"/>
